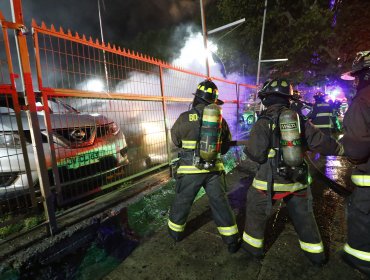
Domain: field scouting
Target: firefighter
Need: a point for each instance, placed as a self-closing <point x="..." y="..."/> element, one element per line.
<point x="356" y="142"/>
<point x="190" y="178"/>
<point x="336" y="114"/>
<point x="274" y="181"/>
<point x="296" y="103"/>
<point x="322" y="115"/>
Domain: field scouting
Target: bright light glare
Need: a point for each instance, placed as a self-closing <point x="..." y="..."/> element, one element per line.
<point x="193" y="53"/>
<point x="95" y="85"/>
<point x="334" y="92"/>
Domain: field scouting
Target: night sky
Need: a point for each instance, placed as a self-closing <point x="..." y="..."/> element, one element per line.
<point x="122" y="19"/>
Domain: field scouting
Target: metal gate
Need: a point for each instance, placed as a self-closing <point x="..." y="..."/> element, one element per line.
<point x="100" y="116"/>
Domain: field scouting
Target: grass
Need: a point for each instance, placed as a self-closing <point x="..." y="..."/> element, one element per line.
<point x="24" y="225"/>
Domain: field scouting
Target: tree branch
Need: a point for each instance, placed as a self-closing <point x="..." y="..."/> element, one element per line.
<point x="334" y="54"/>
<point x="289" y="17"/>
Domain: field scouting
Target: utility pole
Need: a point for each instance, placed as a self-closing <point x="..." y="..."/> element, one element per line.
<point x="204" y="30"/>
<point x="102" y="40"/>
<point x="205" y="33"/>
<point x="261" y="45"/>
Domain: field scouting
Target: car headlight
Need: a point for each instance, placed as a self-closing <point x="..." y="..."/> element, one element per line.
<point x="113" y="128"/>
<point x="10" y="140"/>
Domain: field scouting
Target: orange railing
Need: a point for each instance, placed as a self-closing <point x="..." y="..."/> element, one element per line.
<point x="104" y="113"/>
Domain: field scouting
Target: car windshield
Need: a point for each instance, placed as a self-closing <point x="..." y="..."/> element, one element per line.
<point x="56" y="106"/>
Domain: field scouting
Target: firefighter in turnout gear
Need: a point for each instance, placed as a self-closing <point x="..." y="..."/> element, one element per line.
<point x="191" y="176"/>
<point x="274" y="179"/>
<point x="356" y="142"/>
<point x="322" y="115"/>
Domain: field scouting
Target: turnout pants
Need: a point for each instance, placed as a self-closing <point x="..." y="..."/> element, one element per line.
<point x="357" y="249"/>
<point x="301" y="215"/>
<point x="187" y="187"/>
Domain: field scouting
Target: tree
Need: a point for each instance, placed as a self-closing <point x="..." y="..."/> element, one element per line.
<point x="299" y="30"/>
<point x="352" y="30"/>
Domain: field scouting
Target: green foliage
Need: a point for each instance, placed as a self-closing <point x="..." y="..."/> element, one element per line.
<point x="151" y="212"/>
<point x="22" y="225"/>
<point x="96" y="264"/>
<point x="9" y="229"/>
<point x="9" y="274"/>
<point x="233" y="157"/>
<point x="302" y="31"/>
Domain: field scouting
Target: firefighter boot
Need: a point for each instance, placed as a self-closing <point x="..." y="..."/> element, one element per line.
<point x="364" y="268"/>
<point x="234" y="247"/>
<point x="176" y="236"/>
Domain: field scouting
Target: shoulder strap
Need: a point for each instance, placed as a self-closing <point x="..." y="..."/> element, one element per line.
<point x="200" y="118"/>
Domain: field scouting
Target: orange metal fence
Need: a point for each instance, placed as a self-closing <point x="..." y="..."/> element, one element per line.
<point x="104" y="112"/>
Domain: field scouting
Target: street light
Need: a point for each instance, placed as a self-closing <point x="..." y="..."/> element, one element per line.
<point x="205" y="33"/>
<point x="261" y="45"/>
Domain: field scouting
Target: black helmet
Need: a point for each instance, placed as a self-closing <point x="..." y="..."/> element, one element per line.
<point x="319" y="95"/>
<point x="361" y="62"/>
<point x="280" y="87"/>
<point x="208" y="91"/>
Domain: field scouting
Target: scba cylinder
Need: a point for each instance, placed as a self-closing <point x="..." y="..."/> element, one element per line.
<point x="291" y="142"/>
<point x="210" y="133"/>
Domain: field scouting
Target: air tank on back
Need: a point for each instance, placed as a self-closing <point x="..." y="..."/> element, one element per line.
<point x="210" y="133"/>
<point x="290" y="142"/>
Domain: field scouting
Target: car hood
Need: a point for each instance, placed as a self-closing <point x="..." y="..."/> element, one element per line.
<point x="8" y="121"/>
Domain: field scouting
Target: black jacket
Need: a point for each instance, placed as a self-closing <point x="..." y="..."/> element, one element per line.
<point x="356" y="139"/>
<point x="261" y="141"/>
<point x="322" y="115"/>
<point x="187" y="128"/>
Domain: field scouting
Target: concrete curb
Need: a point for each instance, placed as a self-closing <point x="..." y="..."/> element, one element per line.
<point x="78" y="226"/>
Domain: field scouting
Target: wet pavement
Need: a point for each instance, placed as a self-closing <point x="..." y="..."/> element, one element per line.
<point x="202" y="255"/>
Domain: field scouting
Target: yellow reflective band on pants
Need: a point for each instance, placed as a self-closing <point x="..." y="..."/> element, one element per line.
<point x="314" y="248"/>
<point x="227" y="231"/>
<point x="191" y="169"/>
<point x="290" y="187"/>
<point x="175" y="227"/>
<point x="361" y="180"/>
<point x="254" y="242"/>
<point x="187" y="144"/>
<point x="365" y="256"/>
<point x="324" y="115"/>
<point x="324" y="125"/>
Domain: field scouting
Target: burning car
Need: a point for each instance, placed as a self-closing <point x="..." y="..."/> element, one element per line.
<point x="90" y="149"/>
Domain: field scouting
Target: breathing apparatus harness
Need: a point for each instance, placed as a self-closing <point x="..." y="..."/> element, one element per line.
<point x="278" y="165"/>
<point x="198" y="161"/>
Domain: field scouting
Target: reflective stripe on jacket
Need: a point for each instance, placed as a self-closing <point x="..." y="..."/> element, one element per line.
<point x="185" y="134"/>
<point x="259" y="150"/>
<point x="279" y="187"/>
<point x="322" y="115"/>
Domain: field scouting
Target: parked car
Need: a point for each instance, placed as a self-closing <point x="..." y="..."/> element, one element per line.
<point x="90" y="149"/>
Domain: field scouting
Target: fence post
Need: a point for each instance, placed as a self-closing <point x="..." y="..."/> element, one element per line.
<point x="237" y="110"/>
<point x="33" y="120"/>
<point x="17" y="111"/>
<point x="48" y="125"/>
<point x="165" y="116"/>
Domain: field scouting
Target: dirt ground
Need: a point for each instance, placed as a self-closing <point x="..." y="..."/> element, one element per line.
<point x="202" y="255"/>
